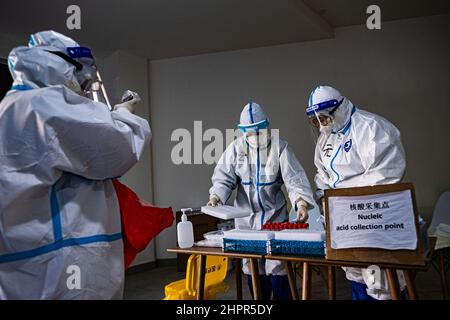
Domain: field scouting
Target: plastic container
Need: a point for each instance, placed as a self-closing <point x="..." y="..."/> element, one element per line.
<point x="277" y="226"/>
<point x="185" y="231"/>
<point x="186" y="289"/>
<point x="300" y="235"/>
<point x="216" y="235"/>
<point x="249" y="241"/>
<point x="297" y="248"/>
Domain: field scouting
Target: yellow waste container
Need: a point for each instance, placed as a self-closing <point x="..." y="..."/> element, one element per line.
<point x="186" y="289"/>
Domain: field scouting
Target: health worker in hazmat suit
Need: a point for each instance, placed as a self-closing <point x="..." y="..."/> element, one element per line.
<point x="257" y="164"/>
<point x="354" y="148"/>
<point x="60" y="229"/>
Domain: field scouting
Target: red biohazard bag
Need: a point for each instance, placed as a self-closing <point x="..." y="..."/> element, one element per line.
<point x="141" y="221"/>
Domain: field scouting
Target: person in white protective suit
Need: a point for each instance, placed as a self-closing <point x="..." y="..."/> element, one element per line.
<point x="60" y="229"/>
<point x="258" y="164"/>
<point x="354" y="148"/>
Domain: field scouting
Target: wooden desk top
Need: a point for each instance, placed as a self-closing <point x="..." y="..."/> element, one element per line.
<point x="340" y="263"/>
<point x="215" y="252"/>
<point x="311" y="260"/>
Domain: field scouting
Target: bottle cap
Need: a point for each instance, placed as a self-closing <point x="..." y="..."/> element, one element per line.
<point x="184" y="216"/>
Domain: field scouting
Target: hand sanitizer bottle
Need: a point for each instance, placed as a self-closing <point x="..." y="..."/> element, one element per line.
<point x="185" y="232"/>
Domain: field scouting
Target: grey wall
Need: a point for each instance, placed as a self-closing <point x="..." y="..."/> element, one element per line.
<point x="7" y="42"/>
<point x="401" y="72"/>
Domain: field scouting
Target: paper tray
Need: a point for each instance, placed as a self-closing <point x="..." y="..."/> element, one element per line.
<point x="224" y="212"/>
<point x="251" y="235"/>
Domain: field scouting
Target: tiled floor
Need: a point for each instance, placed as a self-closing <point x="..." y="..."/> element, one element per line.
<point x="150" y="284"/>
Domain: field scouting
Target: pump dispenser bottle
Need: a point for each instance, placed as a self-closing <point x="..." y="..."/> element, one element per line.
<point x="185" y="231"/>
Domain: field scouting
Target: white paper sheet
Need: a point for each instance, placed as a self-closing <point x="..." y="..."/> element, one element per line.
<point x="383" y="221"/>
<point x="224" y="212"/>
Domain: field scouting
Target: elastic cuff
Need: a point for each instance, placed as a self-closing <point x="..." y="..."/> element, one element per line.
<point x="215" y="196"/>
<point x="122" y="109"/>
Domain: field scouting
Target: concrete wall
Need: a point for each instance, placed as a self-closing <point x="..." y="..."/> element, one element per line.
<point x="401" y="72"/>
<point x="7" y="42"/>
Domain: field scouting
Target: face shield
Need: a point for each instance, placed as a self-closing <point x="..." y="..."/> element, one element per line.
<point x="321" y="117"/>
<point x="86" y="73"/>
<point x="257" y="134"/>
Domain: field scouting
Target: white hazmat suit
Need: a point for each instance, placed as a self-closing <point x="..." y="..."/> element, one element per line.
<point x="60" y="229"/>
<point x="258" y="169"/>
<point x="355" y="148"/>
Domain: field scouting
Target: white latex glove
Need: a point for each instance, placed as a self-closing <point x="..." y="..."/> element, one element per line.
<point x="129" y="100"/>
<point x="302" y="211"/>
<point x="213" y="201"/>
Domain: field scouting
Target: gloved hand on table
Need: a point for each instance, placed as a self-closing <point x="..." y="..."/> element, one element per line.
<point x="301" y="208"/>
<point x="213" y="200"/>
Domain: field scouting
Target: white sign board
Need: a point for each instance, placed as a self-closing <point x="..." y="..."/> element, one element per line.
<point x="384" y="221"/>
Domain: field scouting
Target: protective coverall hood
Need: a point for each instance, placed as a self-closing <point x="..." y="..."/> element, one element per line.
<point x="254" y="125"/>
<point x="52" y="59"/>
<point x="253" y="118"/>
<point x="36" y="66"/>
<point x="329" y="102"/>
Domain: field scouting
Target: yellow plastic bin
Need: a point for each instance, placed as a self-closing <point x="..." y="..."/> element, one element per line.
<point x="215" y="274"/>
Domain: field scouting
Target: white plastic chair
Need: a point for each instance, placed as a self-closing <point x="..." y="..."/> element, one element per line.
<point x="441" y="214"/>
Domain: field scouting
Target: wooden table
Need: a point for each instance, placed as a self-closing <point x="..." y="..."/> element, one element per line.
<point x="390" y="270"/>
<point x="236" y="256"/>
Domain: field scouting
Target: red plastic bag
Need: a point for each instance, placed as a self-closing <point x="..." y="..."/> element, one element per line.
<point x="141" y="221"/>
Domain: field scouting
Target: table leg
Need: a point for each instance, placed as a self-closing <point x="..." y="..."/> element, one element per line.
<point x="392" y="278"/>
<point x="410" y="285"/>
<point x="291" y="278"/>
<point x="306" y="281"/>
<point x="331" y="283"/>
<point x="201" y="278"/>
<point x="443" y="274"/>
<point x="237" y="266"/>
<point x="255" y="279"/>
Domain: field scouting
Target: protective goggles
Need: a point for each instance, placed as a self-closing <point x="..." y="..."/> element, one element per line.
<point x="74" y="53"/>
<point x="334" y="104"/>
<point x="254" y="126"/>
<point x="79" y="52"/>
